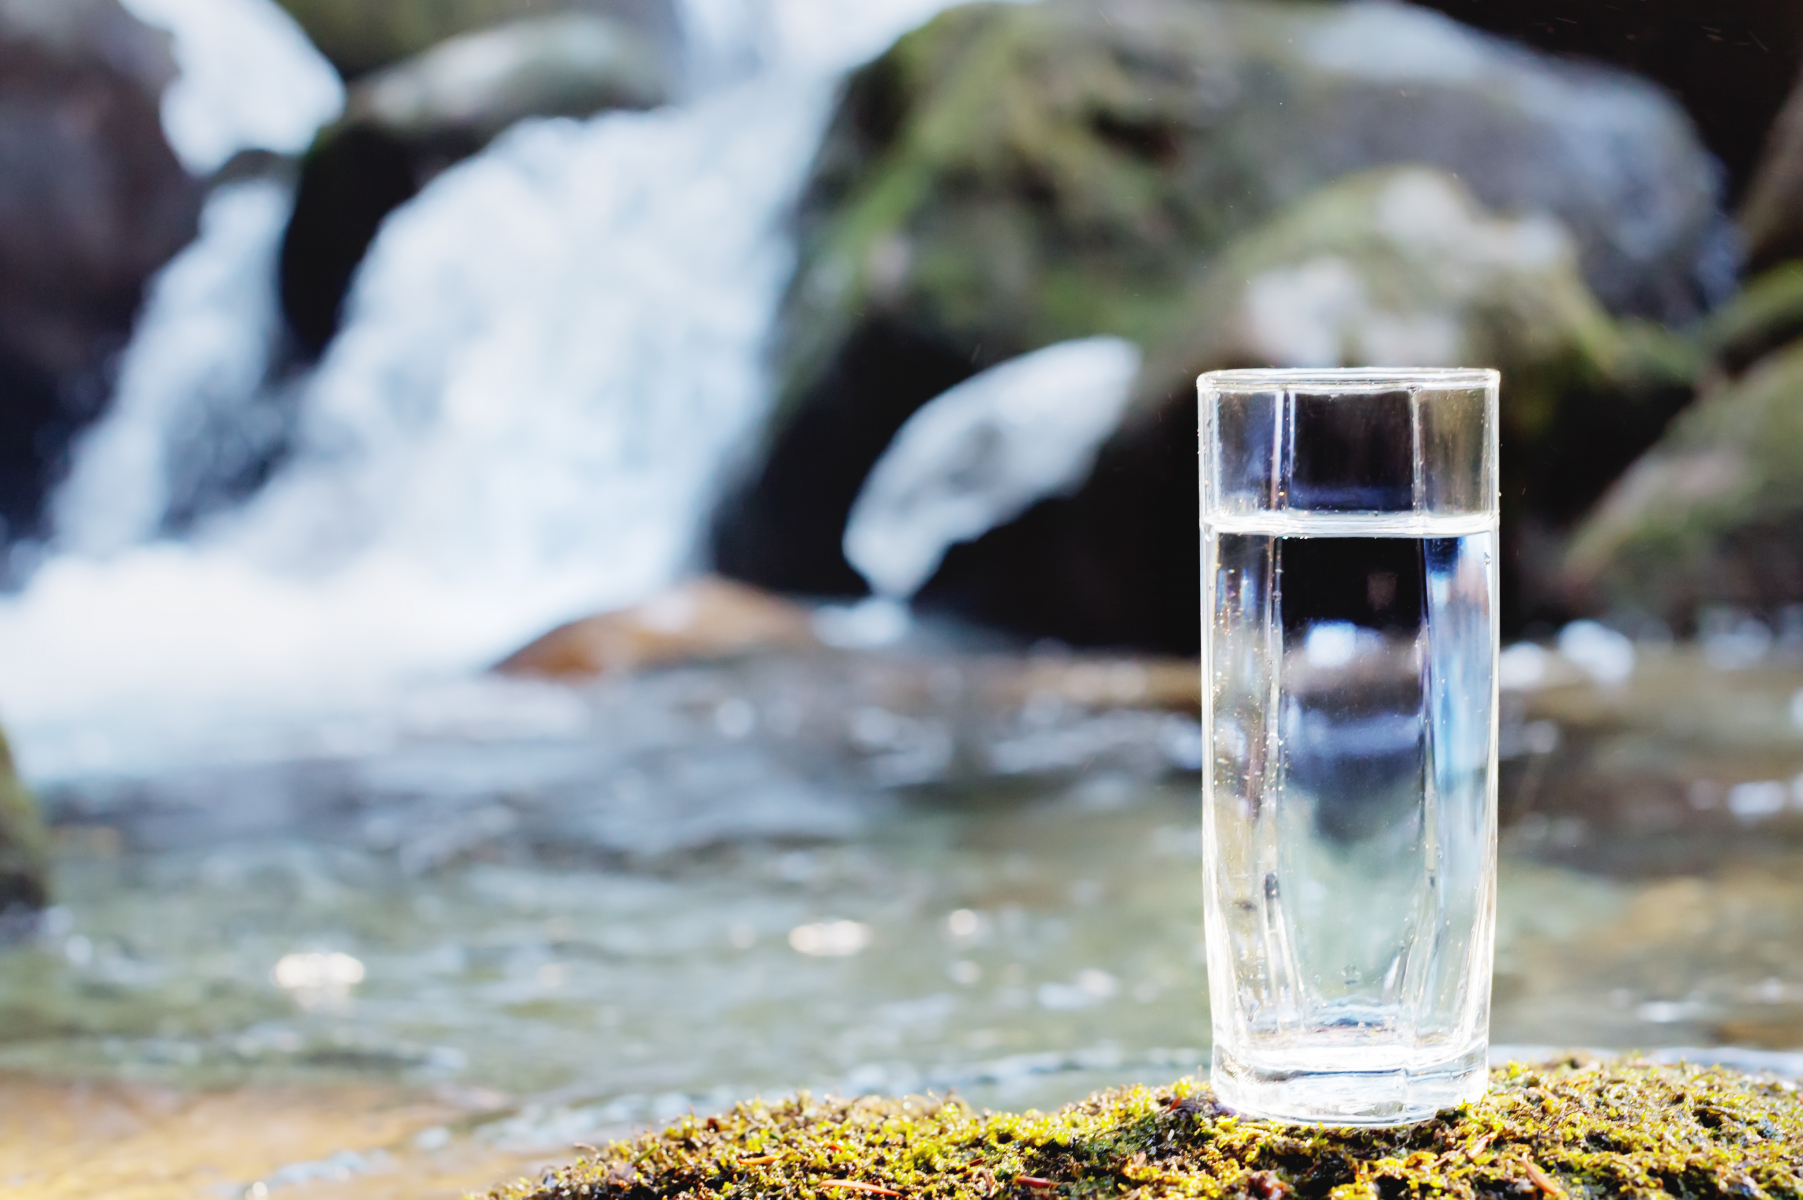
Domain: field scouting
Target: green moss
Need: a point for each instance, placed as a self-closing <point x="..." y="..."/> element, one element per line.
<point x="24" y="842"/>
<point x="1577" y="1129"/>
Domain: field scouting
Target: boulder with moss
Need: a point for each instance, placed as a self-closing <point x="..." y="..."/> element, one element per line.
<point x="1714" y="513"/>
<point x="1010" y="176"/>
<point x="1399" y="265"/>
<point x="24" y="843"/>
<point x="1562" y="1130"/>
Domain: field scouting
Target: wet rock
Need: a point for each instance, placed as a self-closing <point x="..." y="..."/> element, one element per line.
<point x="1731" y="62"/>
<point x="406" y="122"/>
<point x="703" y="619"/>
<point x="1399" y="265"/>
<point x="24" y="843"/>
<point x="1012" y="176"/>
<point x="359" y="36"/>
<point x="1714" y="513"/>
<point x="1772" y="218"/>
<point x="92" y="202"/>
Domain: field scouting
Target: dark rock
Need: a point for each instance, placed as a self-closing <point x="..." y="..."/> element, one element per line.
<point x="1731" y="62"/>
<point x="349" y="181"/>
<point x="1714" y="513"/>
<point x="92" y="203"/>
<point x="1011" y="176"/>
<point x="1394" y="266"/>
<point x="1772" y="218"/>
<point x="24" y="843"/>
<point x="405" y="123"/>
<point x="360" y="36"/>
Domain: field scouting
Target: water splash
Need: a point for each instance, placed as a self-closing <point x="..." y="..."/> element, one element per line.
<point x="982" y="453"/>
<point x="250" y="80"/>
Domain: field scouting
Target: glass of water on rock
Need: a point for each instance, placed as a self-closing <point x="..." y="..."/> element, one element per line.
<point x="1349" y="578"/>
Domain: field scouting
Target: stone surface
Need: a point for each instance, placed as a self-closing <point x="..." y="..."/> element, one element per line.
<point x="24" y="843"/>
<point x="92" y="202"/>
<point x="1772" y="218"/>
<point x="1011" y="176"/>
<point x="408" y="121"/>
<point x="1731" y="62"/>
<point x="703" y="619"/>
<point x="359" y="36"/>
<point x="1714" y="513"/>
<point x="1399" y="265"/>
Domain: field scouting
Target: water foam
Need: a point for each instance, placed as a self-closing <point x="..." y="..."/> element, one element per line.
<point x="547" y="358"/>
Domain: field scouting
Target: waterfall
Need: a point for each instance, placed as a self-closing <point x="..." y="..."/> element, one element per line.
<point x="547" y="358"/>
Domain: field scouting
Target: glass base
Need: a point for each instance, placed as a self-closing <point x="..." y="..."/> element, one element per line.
<point x="1353" y="1091"/>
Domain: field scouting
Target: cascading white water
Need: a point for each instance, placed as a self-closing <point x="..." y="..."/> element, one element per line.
<point x="548" y="357"/>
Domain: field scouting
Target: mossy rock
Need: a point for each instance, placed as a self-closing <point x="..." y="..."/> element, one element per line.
<point x="24" y="843"/>
<point x="1009" y="176"/>
<point x="361" y="35"/>
<point x="1766" y="316"/>
<point x="1714" y="513"/>
<point x="1396" y="265"/>
<point x="1631" y="1130"/>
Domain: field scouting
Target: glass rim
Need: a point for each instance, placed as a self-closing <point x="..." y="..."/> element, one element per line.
<point x="1361" y="379"/>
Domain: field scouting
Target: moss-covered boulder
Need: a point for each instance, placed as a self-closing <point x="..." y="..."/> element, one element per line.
<point x="1399" y="265"/>
<point x="1566" y="1130"/>
<point x="361" y="35"/>
<point x="24" y="843"/>
<point x="1010" y="176"/>
<point x="1714" y="513"/>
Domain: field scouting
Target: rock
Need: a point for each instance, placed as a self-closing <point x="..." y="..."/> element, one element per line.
<point x="1399" y="265"/>
<point x="1731" y="62"/>
<point x="1772" y="218"/>
<point x="1011" y="176"/>
<point x="1766" y="316"/>
<point x="406" y="122"/>
<point x="703" y="619"/>
<point x="24" y="843"/>
<point x="92" y="202"/>
<point x="359" y="36"/>
<point x="1578" y="1128"/>
<point x="1714" y="513"/>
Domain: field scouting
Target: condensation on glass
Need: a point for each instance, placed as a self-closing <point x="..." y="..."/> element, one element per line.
<point x="1349" y="578"/>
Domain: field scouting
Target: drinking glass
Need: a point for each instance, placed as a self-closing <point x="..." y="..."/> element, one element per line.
<point x="1349" y="578"/>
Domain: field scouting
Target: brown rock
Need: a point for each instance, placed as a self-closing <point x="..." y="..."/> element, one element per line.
<point x="706" y="618"/>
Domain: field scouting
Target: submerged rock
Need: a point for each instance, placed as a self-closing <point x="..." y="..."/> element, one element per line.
<point x="1012" y="176"/>
<point x="24" y="843"/>
<point x="1714" y="513"/>
<point x="1569" y="1129"/>
<point x="1394" y="266"/>
<point x="699" y="620"/>
<point x="359" y="36"/>
<point x="92" y="202"/>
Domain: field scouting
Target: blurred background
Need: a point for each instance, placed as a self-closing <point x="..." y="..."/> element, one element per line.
<point x="566" y="561"/>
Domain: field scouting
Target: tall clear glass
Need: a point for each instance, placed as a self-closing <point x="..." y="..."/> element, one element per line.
<point x="1349" y="572"/>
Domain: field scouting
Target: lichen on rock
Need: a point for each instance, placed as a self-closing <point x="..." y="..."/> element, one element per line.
<point x="1570" y="1129"/>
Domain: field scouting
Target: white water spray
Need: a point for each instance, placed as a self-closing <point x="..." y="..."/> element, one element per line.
<point x="547" y="359"/>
